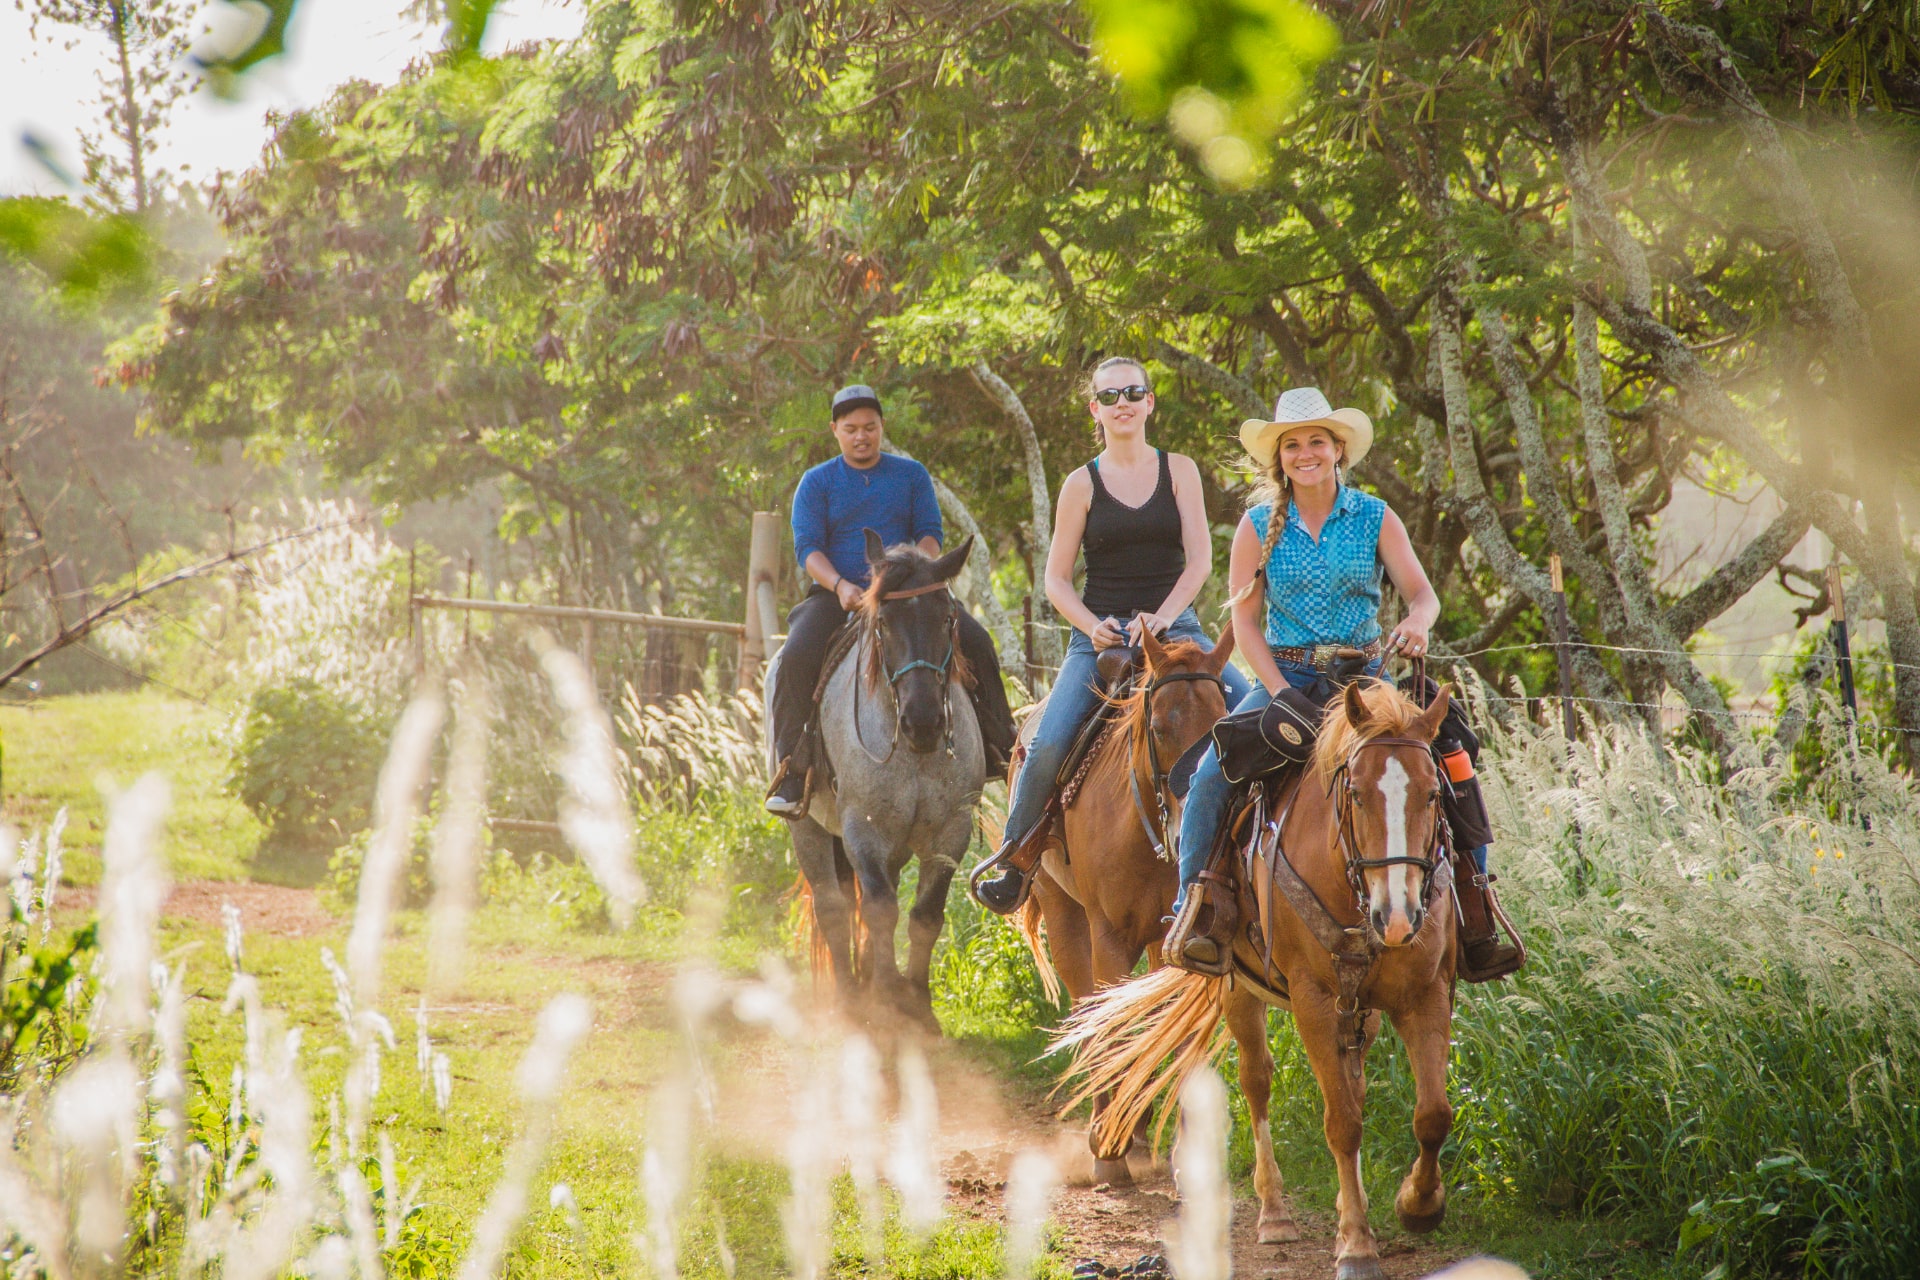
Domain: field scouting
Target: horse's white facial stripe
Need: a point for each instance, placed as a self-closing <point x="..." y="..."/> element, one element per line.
<point x="1394" y="783"/>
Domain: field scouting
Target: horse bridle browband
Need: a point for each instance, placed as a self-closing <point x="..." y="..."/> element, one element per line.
<point x="1165" y="842"/>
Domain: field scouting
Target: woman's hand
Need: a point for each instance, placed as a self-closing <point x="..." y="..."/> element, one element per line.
<point x="1410" y="638"/>
<point x="1145" y="622"/>
<point x="1108" y="634"/>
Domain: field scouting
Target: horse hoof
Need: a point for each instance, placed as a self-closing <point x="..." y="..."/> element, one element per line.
<point x="1359" y="1269"/>
<point x="1112" y="1172"/>
<point x="1285" y="1231"/>
<point x="1421" y="1223"/>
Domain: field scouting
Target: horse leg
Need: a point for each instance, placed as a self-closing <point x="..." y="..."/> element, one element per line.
<point x="1068" y="940"/>
<point x="869" y="851"/>
<point x="1355" y="1255"/>
<point x="1422" y="1201"/>
<point x="929" y="917"/>
<point x="1247" y="1019"/>
<point x="1113" y="959"/>
<point x="815" y="850"/>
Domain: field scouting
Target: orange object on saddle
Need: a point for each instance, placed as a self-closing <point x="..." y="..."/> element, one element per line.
<point x="1459" y="765"/>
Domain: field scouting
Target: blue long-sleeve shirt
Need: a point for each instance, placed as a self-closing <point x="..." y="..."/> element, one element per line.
<point x="835" y="503"/>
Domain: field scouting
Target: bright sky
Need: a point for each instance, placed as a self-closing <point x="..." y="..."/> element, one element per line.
<point x="52" y="92"/>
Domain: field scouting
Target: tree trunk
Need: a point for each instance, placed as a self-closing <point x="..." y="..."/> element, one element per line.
<point x="1046" y="639"/>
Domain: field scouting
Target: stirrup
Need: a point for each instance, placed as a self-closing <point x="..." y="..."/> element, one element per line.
<point x="1508" y="957"/>
<point x="773" y="792"/>
<point x="1185" y="931"/>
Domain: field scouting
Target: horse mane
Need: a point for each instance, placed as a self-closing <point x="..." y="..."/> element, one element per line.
<point x="1390" y="713"/>
<point x="903" y="560"/>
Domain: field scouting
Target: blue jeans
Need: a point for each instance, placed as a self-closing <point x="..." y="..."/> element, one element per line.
<point x="1208" y="796"/>
<point x="1074" y="697"/>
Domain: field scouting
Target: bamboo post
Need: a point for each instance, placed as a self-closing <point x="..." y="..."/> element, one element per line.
<point x="416" y="623"/>
<point x="1562" y="652"/>
<point x="763" y="568"/>
<point x="586" y="649"/>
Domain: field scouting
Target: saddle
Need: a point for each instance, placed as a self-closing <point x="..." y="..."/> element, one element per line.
<point x="810" y="752"/>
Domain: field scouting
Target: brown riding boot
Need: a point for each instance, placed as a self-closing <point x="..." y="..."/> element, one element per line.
<point x="1484" y="955"/>
<point x="1006" y="893"/>
<point x="1200" y="939"/>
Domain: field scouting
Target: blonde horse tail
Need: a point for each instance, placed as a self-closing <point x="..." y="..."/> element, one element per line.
<point x="1033" y="928"/>
<point x="1137" y="1041"/>
<point x="804" y="923"/>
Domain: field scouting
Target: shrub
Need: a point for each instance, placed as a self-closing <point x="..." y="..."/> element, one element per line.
<point x="305" y="763"/>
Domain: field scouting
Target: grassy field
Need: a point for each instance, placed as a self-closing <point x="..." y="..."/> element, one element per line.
<point x="74" y="751"/>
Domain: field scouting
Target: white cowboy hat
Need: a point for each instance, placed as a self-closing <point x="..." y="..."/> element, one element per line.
<point x="1306" y="407"/>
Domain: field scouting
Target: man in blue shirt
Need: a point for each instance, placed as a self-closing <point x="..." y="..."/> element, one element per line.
<point x="834" y="505"/>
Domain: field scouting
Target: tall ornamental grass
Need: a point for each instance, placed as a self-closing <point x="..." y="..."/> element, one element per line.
<point x="1718" y="1033"/>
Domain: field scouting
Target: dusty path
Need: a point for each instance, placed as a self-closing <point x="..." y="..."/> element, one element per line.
<point x="985" y="1120"/>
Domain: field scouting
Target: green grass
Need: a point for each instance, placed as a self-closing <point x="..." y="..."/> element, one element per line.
<point x="65" y="751"/>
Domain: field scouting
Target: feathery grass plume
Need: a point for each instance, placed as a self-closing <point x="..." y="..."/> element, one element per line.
<point x="1032" y="1182"/>
<point x="168" y="1089"/>
<point x="396" y="805"/>
<point x="133" y="885"/>
<point x="442" y="1082"/>
<point x="562" y="1024"/>
<point x="594" y="816"/>
<point x="235" y="936"/>
<point x="665" y="1170"/>
<point x="1200" y="1246"/>
<point x="422" y="1043"/>
<point x="457" y="835"/>
<point x="356" y="1209"/>
<point x="858" y="1103"/>
<point x="95" y="1115"/>
<point x="23" y="875"/>
<point x="692" y="743"/>
<point x="910" y="1165"/>
<point x="27" y="1210"/>
<point x="769" y="1002"/>
<point x="1140" y="1039"/>
<point x="810" y="1148"/>
<point x="50" y="880"/>
<point x="257" y="1223"/>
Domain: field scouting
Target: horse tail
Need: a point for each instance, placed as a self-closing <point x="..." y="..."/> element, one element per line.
<point x="1138" y="1040"/>
<point x="806" y="922"/>
<point x="1033" y="928"/>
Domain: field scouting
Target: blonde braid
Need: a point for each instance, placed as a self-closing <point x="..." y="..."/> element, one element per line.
<point x="1274" y="490"/>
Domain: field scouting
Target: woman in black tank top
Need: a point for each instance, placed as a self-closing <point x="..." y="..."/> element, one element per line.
<point x="1137" y="514"/>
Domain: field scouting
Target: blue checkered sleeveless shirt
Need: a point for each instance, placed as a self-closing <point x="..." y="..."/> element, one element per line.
<point x="1325" y="592"/>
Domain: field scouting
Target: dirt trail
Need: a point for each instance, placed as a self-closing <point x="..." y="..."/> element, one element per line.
<point x="985" y="1121"/>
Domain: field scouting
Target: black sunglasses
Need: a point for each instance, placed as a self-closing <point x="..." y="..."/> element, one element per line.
<point x="1134" y="394"/>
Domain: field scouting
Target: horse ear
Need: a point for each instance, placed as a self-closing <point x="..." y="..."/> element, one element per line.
<point x="876" y="549"/>
<point x="1152" y="649"/>
<point x="1222" y="650"/>
<point x="1427" y="727"/>
<point x="948" y="566"/>
<point x="1358" y="713"/>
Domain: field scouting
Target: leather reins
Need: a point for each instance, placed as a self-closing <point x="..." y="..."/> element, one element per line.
<point x="1165" y="840"/>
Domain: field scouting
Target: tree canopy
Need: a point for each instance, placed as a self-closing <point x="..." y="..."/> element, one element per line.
<point x="1565" y="253"/>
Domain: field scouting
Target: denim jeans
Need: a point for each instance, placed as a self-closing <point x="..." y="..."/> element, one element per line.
<point x="1207" y="798"/>
<point x="1074" y="697"/>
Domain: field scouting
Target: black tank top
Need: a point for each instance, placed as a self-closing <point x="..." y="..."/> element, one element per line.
<point x="1134" y="554"/>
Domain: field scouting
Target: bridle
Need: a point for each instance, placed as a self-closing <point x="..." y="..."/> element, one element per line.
<point x="1165" y="840"/>
<point x="943" y="668"/>
<point x="1345" y="794"/>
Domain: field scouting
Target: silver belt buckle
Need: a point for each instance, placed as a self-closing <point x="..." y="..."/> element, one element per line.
<point x="1323" y="656"/>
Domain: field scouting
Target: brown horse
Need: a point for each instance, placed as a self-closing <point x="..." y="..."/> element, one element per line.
<point x="1341" y="886"/>
<point x="1103" y="889"/>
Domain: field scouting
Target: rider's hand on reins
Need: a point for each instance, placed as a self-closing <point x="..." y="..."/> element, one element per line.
<point x="1409" y="638"/>
<point x="1108" y="634"/>
<point x="1141" y="622"/>
<point x="847" y="593"/>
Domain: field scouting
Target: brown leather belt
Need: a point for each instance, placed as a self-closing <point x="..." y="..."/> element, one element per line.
<point x="1321" y="657"/>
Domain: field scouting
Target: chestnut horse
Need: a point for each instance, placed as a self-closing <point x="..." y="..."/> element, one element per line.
<point x="1351" y="893"/>
<point x="1104" y="889"/>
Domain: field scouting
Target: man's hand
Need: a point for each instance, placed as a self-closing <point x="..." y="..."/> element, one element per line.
<point x="847" y="593"/>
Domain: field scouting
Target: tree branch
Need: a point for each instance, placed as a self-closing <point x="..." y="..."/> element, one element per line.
<point x="996" y="389"/>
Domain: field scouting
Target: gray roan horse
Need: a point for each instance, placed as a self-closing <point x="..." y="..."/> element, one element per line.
<point x="907" y="768"/>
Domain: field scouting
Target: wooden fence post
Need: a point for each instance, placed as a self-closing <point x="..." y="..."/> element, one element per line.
<point x="763" y="569"/>
<point x="1562" y="628"/>
<point x="1843" y="651"/>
